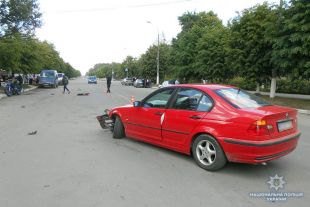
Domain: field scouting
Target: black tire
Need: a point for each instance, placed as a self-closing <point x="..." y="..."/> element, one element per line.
<point x="8" y="92"/>
<point x="118" y="130"/>
<point x="217" y="160"/>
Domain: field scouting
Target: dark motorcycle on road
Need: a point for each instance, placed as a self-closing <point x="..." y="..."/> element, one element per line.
<point x="12" y="88"/>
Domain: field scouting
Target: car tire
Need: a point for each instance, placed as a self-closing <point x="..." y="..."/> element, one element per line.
<point x="118" y="130"/>
<point x="208" y="153"/>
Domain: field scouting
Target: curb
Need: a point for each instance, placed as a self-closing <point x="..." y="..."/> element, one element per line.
<point x="25" y="90"/>
<point x="303" y="111"/>
<point x="2" y="96"/>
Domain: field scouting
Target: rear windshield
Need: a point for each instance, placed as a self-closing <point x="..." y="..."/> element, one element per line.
<point x="60" y="75"/>
<point x="241" y="99"/>
<point x="47" y="74"/>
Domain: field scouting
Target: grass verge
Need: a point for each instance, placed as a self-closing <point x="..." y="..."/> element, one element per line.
<point x="290" y="102"/>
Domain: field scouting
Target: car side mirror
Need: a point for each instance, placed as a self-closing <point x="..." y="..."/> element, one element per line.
<point x="137" y="103"/>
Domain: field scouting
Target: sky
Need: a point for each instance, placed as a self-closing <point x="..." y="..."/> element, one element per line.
<point x="87" y="32"/>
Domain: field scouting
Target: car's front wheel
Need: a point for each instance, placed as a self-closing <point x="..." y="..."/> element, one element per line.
<point x="118" y="130"/>
<point x="207" y="153"/>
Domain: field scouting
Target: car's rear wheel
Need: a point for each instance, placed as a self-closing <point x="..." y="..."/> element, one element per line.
<point x="207" y="153"/>
<point x="118" y="130"/>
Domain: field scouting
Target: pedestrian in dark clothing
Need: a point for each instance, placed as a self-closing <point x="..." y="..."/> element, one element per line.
<point x="65" y="82"/>
<point x="109" y="79"/>
<point x="20" y="80"/>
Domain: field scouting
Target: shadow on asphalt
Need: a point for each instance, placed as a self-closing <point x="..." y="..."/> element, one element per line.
<point x="238" y="169"/>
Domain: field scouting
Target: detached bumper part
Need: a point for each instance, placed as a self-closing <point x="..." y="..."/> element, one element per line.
<point x="105" y="121"/>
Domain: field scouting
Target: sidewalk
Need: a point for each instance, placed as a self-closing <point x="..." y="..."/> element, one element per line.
<point x="3" y="95"/>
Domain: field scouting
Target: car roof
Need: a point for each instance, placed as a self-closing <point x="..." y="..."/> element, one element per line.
<point x="205" y="86"/>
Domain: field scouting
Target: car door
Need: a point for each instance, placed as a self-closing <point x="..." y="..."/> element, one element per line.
<point x="145" y="120"/>
<point x="184" y="114"/>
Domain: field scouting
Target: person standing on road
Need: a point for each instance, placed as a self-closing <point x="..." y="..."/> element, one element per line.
<point x="109" y="79"/>
<point x="65" y="82"/>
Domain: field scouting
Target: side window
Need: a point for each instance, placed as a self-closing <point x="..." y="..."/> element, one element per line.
<point x="187" y="99"/>
<point x="205" y="104"/>
<point x="159" y="100"/>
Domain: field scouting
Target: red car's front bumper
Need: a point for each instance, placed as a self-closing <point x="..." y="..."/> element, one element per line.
<point x="246" y="151"/>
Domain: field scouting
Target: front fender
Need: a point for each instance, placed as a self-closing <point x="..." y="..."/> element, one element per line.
<point x="115" y="112"/>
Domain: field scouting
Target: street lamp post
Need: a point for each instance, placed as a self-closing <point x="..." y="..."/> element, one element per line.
<point x="157" y="77"/>
<point x="157" y="58"/>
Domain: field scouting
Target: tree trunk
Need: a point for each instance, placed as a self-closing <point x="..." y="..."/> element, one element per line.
<point x="273" y="84"/>
<point x="257" y="88"/>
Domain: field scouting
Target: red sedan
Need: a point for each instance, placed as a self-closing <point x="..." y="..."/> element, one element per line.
<point x="213" y="123"/>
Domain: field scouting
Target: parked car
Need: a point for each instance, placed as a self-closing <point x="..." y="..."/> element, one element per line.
<point x="48" y="78"/>
<point x="139" y="83"/>
<point x="92" y="79"/>
<point x="213" y="123"/>
<point x="169" y="83"/>
<point x="142" y="83"/>
<point x="60" y="77"/>
<point x="127" y="81"/>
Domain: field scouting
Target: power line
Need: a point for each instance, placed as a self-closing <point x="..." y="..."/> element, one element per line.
<point x="120" y="7"/>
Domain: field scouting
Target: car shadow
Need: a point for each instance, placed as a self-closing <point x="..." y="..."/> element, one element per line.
<point x="238" y="169"/>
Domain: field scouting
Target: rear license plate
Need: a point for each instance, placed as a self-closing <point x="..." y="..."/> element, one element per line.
<point x="285" y="125"/>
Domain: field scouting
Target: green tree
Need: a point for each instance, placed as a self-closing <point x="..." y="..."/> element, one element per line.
<point x="184" y="47"/>
<point x="132" y="66"/>
<point x="148" y="62"/>
<point x="213" y="50"/>
<point x="251" y="41"/>
<point x="19" y="16"/>
<point x="291" y="51"/>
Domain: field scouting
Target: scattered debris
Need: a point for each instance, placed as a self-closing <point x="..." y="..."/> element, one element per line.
<point x="83" y="94"/>
<point x="23" y="106"/>
<point x="52" y="94"/>
<point x="46" y="186"/>
<point x="33" y="133"/>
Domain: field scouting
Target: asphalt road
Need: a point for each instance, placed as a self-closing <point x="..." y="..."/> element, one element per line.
<point x="71" y="161"/>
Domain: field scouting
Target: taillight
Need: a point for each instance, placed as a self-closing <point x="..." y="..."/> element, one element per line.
<point x="261" y="127"/>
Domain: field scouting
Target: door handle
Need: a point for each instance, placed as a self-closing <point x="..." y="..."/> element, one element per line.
<point x="158" y="113"/>
<point x="195" y="117"/>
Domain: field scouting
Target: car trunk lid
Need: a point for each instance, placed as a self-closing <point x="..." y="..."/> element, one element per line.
<point x="278" y="121"/>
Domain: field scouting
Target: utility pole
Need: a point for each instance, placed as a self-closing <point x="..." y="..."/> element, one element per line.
<point x="157" y="58"/>
<point x="157" y="77"/>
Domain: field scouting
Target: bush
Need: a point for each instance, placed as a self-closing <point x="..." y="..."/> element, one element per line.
<point x="293" y="86"/>
<point x="242" y="83"/>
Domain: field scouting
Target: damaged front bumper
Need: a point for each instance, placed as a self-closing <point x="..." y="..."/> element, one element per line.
<point x="105" y="121"/>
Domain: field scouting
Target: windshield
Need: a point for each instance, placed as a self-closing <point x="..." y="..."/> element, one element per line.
<point x="92" y="77"/>
<point x="60" y="75"/>
<point x="47" y="74"/>
<point x="241" y="99"/>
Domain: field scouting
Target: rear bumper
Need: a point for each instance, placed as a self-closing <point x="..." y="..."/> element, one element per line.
<point x="46" y="84"/>
<point x="247" y="151"/>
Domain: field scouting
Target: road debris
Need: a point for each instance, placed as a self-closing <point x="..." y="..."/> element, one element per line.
<point x="33" y="133"/>
<point x="82" y="94"/>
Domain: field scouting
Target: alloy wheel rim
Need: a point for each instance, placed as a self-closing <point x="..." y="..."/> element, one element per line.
<point x="205" y="152"/>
